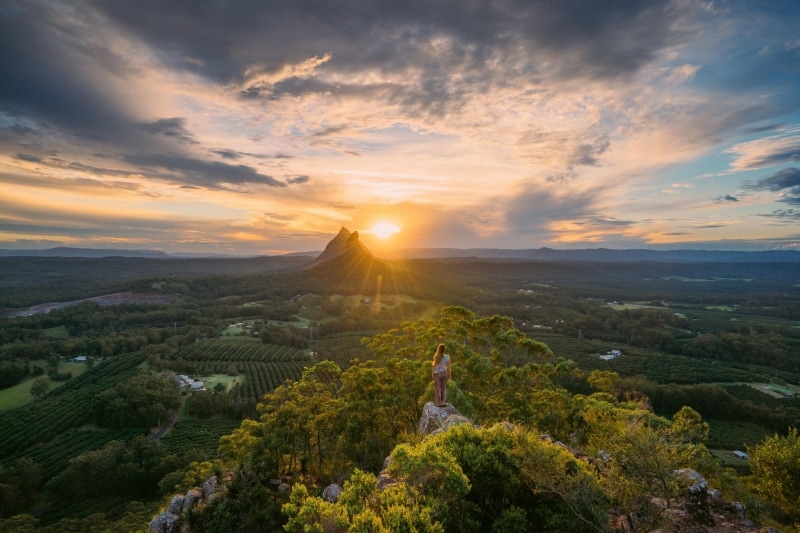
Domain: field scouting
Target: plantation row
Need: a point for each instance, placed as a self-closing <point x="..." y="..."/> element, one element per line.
<point x="200" y="434"/>
<point x="241" y="350"/>
<point x="54" y="455"/>
<point x="261" y="377"/>
<point x="68" y="406"/>
<point x="735" y="435"/>
<point x="746" y="392"/>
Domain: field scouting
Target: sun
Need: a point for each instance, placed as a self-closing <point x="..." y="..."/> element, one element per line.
<point x="384" y="229"/>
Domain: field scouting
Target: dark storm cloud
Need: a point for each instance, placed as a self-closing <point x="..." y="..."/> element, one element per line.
<point x="42" y="76"/>
<point x="783" y="179"/>
<point x="787" y="181"/>
<point x="212" y="174"/>
<point x="170" y="127"/>
<point x="226" y="40"/>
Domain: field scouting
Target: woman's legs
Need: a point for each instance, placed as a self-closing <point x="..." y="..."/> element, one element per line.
<point x="440" y="388"/>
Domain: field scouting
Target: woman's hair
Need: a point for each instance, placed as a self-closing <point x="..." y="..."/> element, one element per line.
<point x="438" y="355"/>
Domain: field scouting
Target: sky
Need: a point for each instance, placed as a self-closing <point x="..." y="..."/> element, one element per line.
<point x="260" y="127"/>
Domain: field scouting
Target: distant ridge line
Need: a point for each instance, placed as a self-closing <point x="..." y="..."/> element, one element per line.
<point x="536" y="254"/>
<point x="603" y="255"/>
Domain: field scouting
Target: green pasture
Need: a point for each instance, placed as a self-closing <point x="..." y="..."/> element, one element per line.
<point x="768" y="388"/>
<point x="20" y="394"/>
<point x="233" y="331"/>
<point x="390" y="301"/>
<point x="58" y="332"/>
<point x="212" y="380"/>
<point x="727" y="459"/>
<point x="301" y="322"/>
<point x="632" y="305"/>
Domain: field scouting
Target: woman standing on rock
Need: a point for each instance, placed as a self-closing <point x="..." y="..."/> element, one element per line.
<point x="441" y="373"/>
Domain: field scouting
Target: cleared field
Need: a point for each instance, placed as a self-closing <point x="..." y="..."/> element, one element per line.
<point x="58" y="332"/>
<point x="20" y="394"/>
<point x="260" y="367"/>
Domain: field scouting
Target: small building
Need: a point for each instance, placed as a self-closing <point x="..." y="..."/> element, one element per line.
<point x="197" y="385"/>
<point x="740" y="455"/>
<point x="613" y="354"/>
<point x="79" y="359"/>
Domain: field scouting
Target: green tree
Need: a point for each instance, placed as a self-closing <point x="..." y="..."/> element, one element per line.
<point x="40" y="387"/>
<point x="775" y="464"/>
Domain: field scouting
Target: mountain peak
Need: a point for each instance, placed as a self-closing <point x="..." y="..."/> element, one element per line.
<point x="345" y="242"/>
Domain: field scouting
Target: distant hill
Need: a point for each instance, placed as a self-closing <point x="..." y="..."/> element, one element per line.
<point x="340" y="245"/>
<point x="606" y="255"/>
<point x="82" y="252"/>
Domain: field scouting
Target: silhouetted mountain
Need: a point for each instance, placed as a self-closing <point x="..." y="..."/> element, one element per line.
<point x="345" y="243"/>
<point x="350" y="266"/>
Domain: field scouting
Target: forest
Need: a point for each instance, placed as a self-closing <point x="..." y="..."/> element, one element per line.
<point x="321" y="374"/>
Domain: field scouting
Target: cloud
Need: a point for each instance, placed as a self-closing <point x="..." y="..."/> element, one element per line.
<point x="682" y="73"/>
<point x="297" y="180"/>
<point x="211" y="174"/>
<point x="725" y="199"/>
<point x="783" y="179"/>
<point x="227" y="154"/>
<point x="766" y="152"/>
<point x="170" y="127"/>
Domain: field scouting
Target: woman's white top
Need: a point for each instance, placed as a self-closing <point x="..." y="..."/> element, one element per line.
<point x="441" y="366"/>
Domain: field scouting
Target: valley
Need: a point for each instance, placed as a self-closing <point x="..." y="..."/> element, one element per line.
<point x="721" y="338"/>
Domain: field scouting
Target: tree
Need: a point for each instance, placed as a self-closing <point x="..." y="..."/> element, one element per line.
<point x="40" y="387"/>
<point x="775" y="464"/>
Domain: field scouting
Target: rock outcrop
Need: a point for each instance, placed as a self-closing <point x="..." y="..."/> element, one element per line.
<point x="344" y="243"/>
<point x="332" y="492"/>
<point x="436" y="419"/>
<point x="172" y="520"/>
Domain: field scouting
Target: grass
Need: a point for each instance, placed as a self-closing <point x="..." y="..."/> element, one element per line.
<point x="727" y="459"/>
<point x="58" y="332"/>
<point x="212" y="380"/>
<point x="301" y="322"/>
<point x="19" y="394"/>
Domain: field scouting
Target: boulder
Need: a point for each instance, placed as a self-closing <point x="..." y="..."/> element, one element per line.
<point x="176" y="505"/>
<point x="450" y="421"/>
<point x="696" y="495"/>
<point x="433" y="417"/>
<point x="191" y="499"/>
<point x="332" y="492"/>
<point x="163" y="523"/>
<point x="209" y="487"/>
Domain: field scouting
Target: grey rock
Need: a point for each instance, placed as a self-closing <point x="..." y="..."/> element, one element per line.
<point x="451" y="421"/>
<point x="191" y="500"/>
<point x="331" y="493"/>
<point x="163" y="523"/>
<point x="176" y="505"/>
<point x="433" y="417"/>
<point x="209" y="487"/>
<point x="696" y="494"/>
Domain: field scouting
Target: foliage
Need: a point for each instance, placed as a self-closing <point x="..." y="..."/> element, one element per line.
<point x="143" y="400"/>
<point x="40" y="387"/>
<point x="775" y="464"/>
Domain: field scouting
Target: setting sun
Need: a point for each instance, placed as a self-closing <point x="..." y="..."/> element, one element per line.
<point x="384" y="229"/>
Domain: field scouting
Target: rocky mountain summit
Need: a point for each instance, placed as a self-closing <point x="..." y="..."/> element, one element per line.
<point x="699" y="508"/>
<point x="345" y="243"/>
